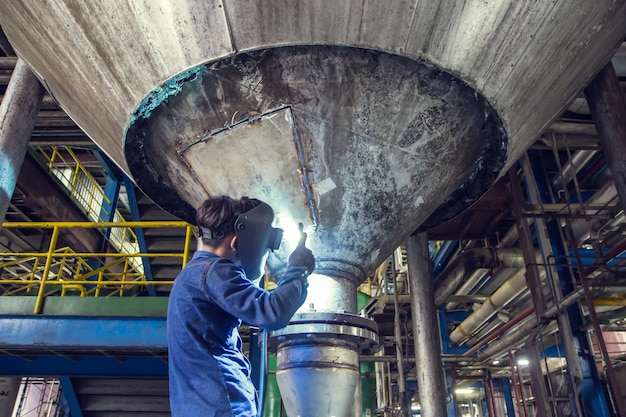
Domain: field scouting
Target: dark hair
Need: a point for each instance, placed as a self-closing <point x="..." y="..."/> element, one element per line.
<point x="219" y="214"/>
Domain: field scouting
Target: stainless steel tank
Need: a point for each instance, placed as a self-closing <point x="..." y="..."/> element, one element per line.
<point x="365" y="120"/>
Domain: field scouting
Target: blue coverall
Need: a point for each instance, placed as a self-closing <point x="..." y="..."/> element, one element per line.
<point x="208" y="373"/>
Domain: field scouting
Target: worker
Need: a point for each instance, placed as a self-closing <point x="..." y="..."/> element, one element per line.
<point x="208" y="372"/>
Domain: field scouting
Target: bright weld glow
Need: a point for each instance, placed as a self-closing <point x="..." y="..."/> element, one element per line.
<point x="291" y="233"/>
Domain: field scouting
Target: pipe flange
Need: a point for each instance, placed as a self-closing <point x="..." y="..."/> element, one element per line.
<point x="317" y="327"/>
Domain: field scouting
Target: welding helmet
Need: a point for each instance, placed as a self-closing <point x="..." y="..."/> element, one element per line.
<point x="255" y="237"/>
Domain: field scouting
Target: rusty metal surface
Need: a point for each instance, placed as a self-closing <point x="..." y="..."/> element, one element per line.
<point x="103" y="60"/>
<point x="379" y="159"/>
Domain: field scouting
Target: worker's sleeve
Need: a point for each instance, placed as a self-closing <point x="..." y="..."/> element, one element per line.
<point x="226" y="285"/>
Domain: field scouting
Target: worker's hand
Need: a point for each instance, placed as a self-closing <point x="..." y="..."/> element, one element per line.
<point x="301" y="255"/>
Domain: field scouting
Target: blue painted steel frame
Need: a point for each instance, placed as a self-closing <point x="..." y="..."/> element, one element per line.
<point x="82" y="332"/>
<point x="84" y="366"/>
<point x="112" y="192"/>
<point x="141" y="240"/>
<point x="443" y="255"/>
<point x="70" y="396"/>
<point x="91" y="338"/>
<point x="591" y="395"/>
<point x="505" y="388"/>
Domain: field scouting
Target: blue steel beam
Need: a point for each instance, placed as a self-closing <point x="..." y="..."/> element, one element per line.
<point x="74" y="333"/>
<point x="84" y="366"/>
<point x="141" y="240"/>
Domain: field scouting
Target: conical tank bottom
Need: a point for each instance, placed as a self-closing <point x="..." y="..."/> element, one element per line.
<point x="359" y="145"/>
<point x="317" y="380"/>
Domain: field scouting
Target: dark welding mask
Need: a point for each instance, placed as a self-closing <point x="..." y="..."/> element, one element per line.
<point x="255" y="237"/>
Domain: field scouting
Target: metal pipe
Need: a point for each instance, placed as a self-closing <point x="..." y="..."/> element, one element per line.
<point x="18" y="112"/>
<point x="379" y="369"/>
<point x="468" y="285"/>
<point x="525" y="328"/>
<point x="500" y="330"/>
<point x="503" y="295"/>
<point x="402" y="400"/>
<point x="467" y="262"/>
<point x="430" y="376"/>
<point x="571" y="167"/>
<point x="586" y="129"/>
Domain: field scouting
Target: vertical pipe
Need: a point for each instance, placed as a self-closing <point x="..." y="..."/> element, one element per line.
<point x="402" y="398"/>
<point x="379" y="368"/>
<point x="608" y="110"/>
<point x="518" y="388"/>
<point x="18" y="112"/>
<point x="425" y="329"/>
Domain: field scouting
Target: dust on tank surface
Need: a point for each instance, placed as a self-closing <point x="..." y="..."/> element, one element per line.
<point x="360" y="145"/>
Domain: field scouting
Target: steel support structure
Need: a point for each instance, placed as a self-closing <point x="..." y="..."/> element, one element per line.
<point x="112" y="191"/>
<point x="588" y="389"/>
<point x="18" y="112"/>
<point x="430" y="376"/>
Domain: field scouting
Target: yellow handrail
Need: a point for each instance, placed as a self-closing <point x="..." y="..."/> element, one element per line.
<point x="69" y="270"/>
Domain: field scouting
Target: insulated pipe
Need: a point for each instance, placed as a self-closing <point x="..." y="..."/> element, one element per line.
<point x="569" y="170"/>
<point x="18" y="112"/>
<point x="430" y="378"/>
<point x="527" y="324"/>
<point x="466" y="262"/>
<point x="513" y="287"/>
<point x="468" y="285"/>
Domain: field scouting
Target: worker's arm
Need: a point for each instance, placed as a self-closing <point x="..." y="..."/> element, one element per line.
<point x="227" y="286"/>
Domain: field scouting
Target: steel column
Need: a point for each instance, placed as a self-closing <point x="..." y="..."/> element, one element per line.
<point x="141" y="239"/>
<point x="70" y="396"/>
<point x="608" y="109"/>
<point x="18" y="112"/>
<point x="425" y="328"/>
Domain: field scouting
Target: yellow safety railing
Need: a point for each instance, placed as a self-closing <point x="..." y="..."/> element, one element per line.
<point x="83" y="188"/>
<point x="61" y="271"/>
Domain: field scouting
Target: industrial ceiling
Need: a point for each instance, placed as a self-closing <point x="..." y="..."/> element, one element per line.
<point x="486" y="239"/>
